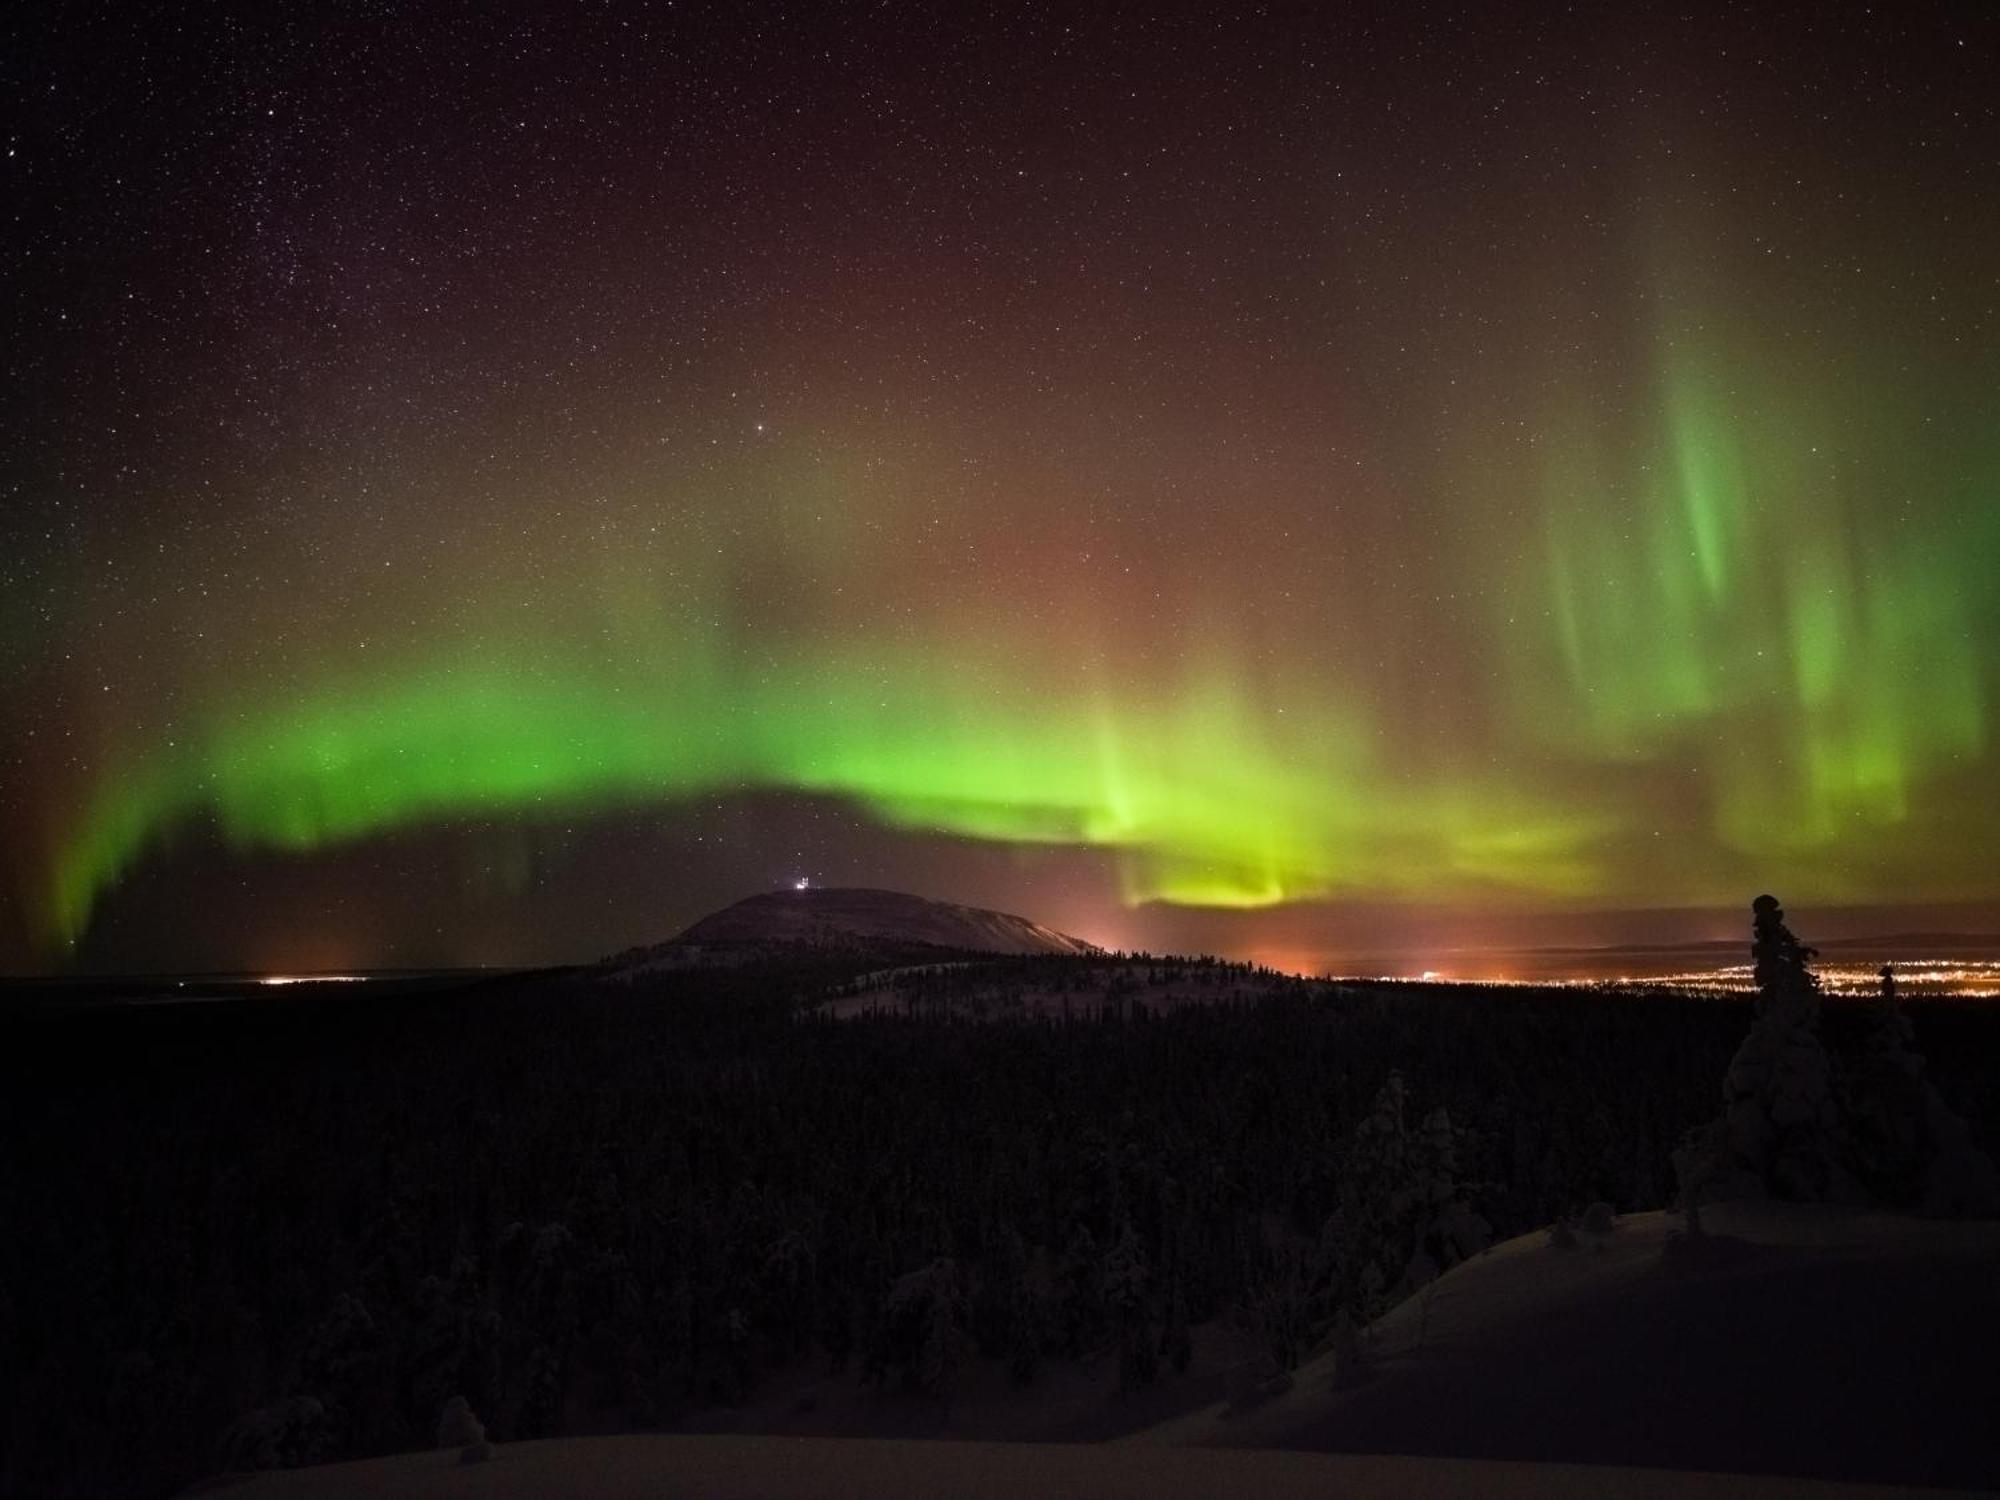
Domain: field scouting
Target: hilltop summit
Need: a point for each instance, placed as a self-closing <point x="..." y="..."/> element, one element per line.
<point x="851" y="918"/>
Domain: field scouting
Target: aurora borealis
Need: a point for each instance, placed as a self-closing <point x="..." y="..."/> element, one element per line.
<point x="462" y="466"/>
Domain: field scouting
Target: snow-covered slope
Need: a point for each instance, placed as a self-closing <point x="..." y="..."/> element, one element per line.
<point x="841" y="918"/>
<point x="1798" y="1350"/>
<point x="1795" y="1339"/>
<point x="751" y="1468"/>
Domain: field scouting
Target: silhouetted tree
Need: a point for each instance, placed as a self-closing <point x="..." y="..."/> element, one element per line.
<point x="1779" y="1133"/>
<point x="1905" y="1142"/>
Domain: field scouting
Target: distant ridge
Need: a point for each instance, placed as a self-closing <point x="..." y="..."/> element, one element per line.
<point x="1913" y="943"/>
<point x="848" y="918"/>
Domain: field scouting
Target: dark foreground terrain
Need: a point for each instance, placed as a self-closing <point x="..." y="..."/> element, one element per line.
<point x="286" y="1229"/>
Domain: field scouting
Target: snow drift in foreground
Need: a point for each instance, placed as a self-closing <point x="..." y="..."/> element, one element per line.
<point x="1793" y="1339"/>
<point x="750" y="1468"/>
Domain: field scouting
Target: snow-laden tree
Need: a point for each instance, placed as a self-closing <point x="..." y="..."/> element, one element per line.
<point x="285" y="1434"/>
<point x="1779" y="1134"/>
<point x="459" y="1428"/>
<point x="1127" y="1284"/>
<point x="1906" y="1144"/>
<point x="923" y="1328"/>
<point x="1402" y="1217"/>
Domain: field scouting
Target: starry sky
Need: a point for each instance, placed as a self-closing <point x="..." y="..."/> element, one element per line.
<point x="488" y="484"/>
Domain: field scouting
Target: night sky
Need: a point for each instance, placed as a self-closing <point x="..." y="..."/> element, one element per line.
<point x="490" y="485"/>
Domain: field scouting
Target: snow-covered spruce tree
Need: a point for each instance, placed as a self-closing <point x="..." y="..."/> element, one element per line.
<point x="1882" y="1088"/>
<point x="1176" y="1338"/>
<point x="459" y="1428"/>
<point x="345" y="1371"/>
<point x="1402" y="1216"/>
<point x="457" y="1425"/>
<point x="1010" y="1314"/>
<point x="1906" y="1144"/>
<point x="1446" y="1228"/>
<point x="1127" y="1279"/>
<point x="1083" y="1313"/>
<point x="1286" y="1303"/>
<point x="453" y="1342"/>
<point x="1959" y="1180"/>
<point x="283" y="1434"/>
<point x="923" y="1327"/>
<point x="1779" y="1134"/>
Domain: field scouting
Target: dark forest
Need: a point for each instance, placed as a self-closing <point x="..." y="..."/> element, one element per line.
<point x="285" y="1230"/>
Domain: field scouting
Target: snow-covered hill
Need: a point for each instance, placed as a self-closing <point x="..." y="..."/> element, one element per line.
<point x="854" y="919"/>
<point x="1795" y="1339"/>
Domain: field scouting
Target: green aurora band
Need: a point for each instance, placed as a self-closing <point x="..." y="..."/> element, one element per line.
<point x="1202" y="804"/>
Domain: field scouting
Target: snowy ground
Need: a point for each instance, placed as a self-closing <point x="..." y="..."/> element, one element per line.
<point x="741" y="1468"/>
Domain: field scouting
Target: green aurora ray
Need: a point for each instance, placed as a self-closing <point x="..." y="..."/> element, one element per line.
<point x="1760" y="598"/>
